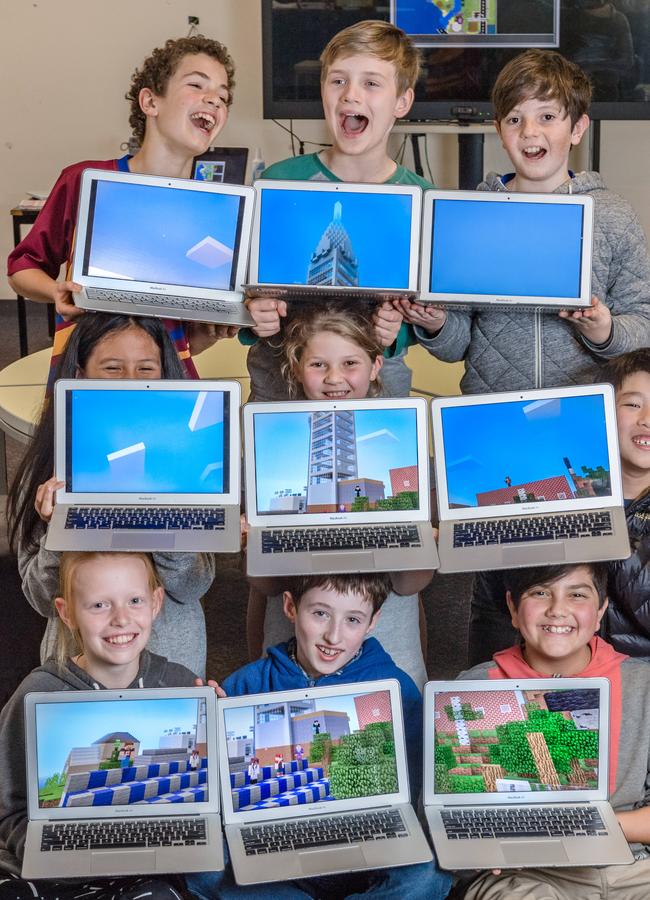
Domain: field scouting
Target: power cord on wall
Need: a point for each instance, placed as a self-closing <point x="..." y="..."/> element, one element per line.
<point x="294" y="137"/>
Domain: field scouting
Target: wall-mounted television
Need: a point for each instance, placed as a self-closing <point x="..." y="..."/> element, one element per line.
<point x="610" y="39"/>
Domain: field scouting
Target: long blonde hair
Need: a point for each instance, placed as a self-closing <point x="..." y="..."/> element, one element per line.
<point x="352" y="324"/>
<point x="68" y="638"/>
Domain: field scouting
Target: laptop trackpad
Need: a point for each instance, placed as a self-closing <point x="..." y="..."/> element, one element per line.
<point x="120" y="862"/>
<point x="313" y="862"/>
<point x="342" y="562"/>
<point x="533" y="853"/>
<point x="530" y="554"/>
<point x="137" y="540"/>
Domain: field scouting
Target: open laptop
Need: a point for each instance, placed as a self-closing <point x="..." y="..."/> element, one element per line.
<point x="122" y="782"/>
<point x="147" y="465"/>
<point x="225" y="165"/>
<point x="170" y="247"/>
<point x="516" y="774"/>
<point x="346" y="240"/>
<point x="338" y="486"/>
<point x="528" y="478"/>
<point x="524" y="251"/>
<point x="328" y="789"/>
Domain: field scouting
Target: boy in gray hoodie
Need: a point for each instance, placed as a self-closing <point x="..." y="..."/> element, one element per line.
<point x="541" y="101"/>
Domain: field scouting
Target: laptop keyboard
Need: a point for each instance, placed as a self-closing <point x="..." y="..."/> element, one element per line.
<point x="151" y="518"/>
<point x="303" y="834"/>
<point x="191" y="303"/>
<point x="523" y="822"/>
<point x="296" y="540"/>
<point x="537" y="528"/>
<point x="105" y="835"/>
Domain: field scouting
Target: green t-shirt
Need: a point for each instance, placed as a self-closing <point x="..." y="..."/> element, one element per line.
<point x="310" y="168"/>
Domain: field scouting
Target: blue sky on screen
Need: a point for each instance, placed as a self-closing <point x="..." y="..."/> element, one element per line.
<point x="502" y="248"/>
<point x="386" y="439"/>
<point x="144" y="232"/>
<point x="293" y="222"/>
<point x="182" y="433"/>
<point x="62" y="726"/>
<point x="521" y="440"/>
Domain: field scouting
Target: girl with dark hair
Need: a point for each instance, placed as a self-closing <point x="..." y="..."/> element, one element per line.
<point x="106" y="346"/>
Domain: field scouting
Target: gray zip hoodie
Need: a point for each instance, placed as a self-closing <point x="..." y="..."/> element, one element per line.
<point x="507" y="351"/>
<point x="155" y="672"/>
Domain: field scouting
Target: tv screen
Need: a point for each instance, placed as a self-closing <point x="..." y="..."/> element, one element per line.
<point x="465" y="43"/>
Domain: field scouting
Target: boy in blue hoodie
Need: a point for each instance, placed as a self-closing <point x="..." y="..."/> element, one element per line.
<point x="333" y="616"/>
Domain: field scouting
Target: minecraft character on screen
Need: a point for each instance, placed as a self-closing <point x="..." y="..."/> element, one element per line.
<point x="278" y="762"/>
<point x="254" y="770"/>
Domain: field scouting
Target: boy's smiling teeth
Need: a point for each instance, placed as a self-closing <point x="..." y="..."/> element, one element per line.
<point x="558" y="629"/>
<point x="534" y="152"/>
<point x="328" y="651"/>
<point x="641" y="441"/>
<point x="205" y="121"/>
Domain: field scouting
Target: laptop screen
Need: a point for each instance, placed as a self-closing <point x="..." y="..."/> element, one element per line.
<point x="501" y="249"/>
<point x="344" y="238"/>
<point x="146" y="441"/>
<point x="121" y="752"/>
<point x="309" y="750"/>
<point x="346" y="461"/>
<point x="524" y="451"/>
<point x="151" y="233"/>
<point x="515" y="741"/>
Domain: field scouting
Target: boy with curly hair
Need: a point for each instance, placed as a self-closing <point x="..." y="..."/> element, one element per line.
<point x="180" y="98"/>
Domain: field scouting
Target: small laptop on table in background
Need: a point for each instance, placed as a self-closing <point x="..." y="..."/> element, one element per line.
<point x="338" y="486"/>
<point x="516" y="774"/>
<point x="354" y="241"/>
<point x="164" y="247"/>
<point x="306" y="811"/>
<point x="147" y="465"/>
<point x="122" y="782"/>
<point x="528" y="478"/>
<point x="521" y="251"/>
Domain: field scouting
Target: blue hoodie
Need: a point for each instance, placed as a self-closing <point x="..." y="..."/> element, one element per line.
<point x="278" y="672"/>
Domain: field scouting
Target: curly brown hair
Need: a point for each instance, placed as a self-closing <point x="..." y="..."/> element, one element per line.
<point x="347" y="322"/>
<point x="160" y="65"/>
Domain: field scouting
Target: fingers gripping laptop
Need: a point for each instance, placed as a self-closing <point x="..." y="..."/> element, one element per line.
<point x="146" y="466"/>
<point x="122" y="782"/>
<point x="528" y="478"/>
<point x="171" y="247"/>
<point x="315" y="782"/>
<point x="516" y="774"/>
<point x="338" y="486"/>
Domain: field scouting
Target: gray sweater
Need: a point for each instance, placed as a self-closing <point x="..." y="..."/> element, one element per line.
<point x="633" y="768"/>
<point x="178" y="632"/>
<point x="155" y="672"/>
<point x="506" y="351"/>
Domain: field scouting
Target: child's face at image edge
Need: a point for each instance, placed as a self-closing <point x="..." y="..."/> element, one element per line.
<point x="113" y="608"/>
<point x="330" y="628"/>
<point x="334" y="368"/>
<point x="361" y="103"/>
<point x="633" y="420"/>
<point x="128" y="353"/>
<point x="557" y="620"/>
<point x="193" y="109"/>
<point x="537" y="135"/>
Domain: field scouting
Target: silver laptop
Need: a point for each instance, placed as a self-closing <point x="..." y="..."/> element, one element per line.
<point x="122" y="782"/>
<point x="315" y="782"/>
<point x="171" y="247"/>
<point x="516" y="774"/>
<point x="338" y="486"/>
<point x="147" y="465"/>
<point x="528" y="478"/>
<point x="346" y="240"/>
<point x="523" y="251"/>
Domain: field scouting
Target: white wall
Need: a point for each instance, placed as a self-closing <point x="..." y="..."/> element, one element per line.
<point x="66" y="65"/>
